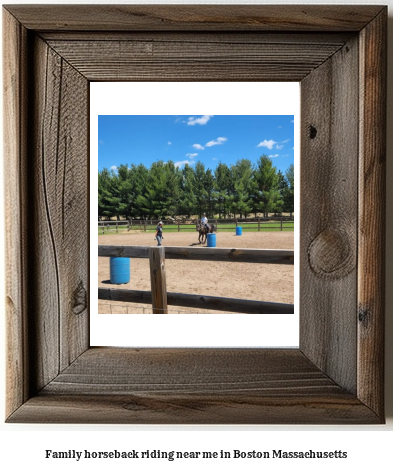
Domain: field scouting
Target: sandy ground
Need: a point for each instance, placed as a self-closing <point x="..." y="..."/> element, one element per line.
<point x="234" y="280"/>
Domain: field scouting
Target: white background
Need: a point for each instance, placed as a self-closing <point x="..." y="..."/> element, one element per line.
<point x="174" y="98"/>
<point x="22" y="447"/>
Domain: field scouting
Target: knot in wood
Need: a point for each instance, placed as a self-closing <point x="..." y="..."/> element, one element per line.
<point x="364" y="316"/>
<point x="232" y="253"/>
<point x="80" y="299"/>
<point x="331" y="255"/>
<point x="10" y="303"/>
<point x="313" y="132"/>
<point x="121" y="251"/>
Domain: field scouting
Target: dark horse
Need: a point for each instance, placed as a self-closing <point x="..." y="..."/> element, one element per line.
<point x="201" y="228"/>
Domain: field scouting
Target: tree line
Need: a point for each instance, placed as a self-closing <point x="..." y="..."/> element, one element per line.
<point x="164" y="190"/>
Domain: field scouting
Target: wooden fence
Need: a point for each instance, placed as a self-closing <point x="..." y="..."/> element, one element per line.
<point x="260" y="223"/>
<point x="159" y="298"/>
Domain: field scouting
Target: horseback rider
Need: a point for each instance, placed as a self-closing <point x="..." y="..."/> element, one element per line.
<point x="204" y="222"/>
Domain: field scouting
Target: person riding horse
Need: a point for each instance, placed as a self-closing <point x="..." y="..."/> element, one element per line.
<point x="204" y="228"/>
<point x="204" y="222"/>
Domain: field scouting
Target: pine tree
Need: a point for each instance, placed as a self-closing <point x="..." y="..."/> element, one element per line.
<point x="223" y="180"/>
<point x="156" y="197"/>
<point x="109" y="195"/>
<point x="103" y="183"/>
<point x="187" y="200"/>
<point x="173" y="188"/>
<point x="200" y="191"/>
<point x="242" y="174"/>
<point x="210" y="185"/>
<point x="139" y="177"/>
<point x="268" y="197"/>
<point x="289" y="194"/>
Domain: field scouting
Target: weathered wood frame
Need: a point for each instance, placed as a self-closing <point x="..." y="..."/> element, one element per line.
<point x="338" y="54"/>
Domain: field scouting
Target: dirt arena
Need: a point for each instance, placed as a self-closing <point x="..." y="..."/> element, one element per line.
<point x="228" y="279"/>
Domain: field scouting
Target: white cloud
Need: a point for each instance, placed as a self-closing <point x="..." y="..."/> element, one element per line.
<point x="279" y="147"/>
<point x="114" y="168"/>
<point x="197" y="146"/>
<point x="179" y="164"/>
<point x="192" y="155"/>
<point x="199" y="121"/>
<point x="268" y="144"/>
<point x="274" y="156"/>
<point x="169" y="143"/>
<point x="214" y="159"/>
<point x="219" y="141"/>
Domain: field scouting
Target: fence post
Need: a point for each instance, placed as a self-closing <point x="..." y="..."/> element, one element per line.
<point x="281" y="223"/>
<point x="259" y="224"/>
<point x="158" y="280"/>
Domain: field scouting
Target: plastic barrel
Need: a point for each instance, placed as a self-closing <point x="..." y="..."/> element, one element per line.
<point x="211" y="240"/>
<point x="238" y="231"/>
<point x="120" y="270"/>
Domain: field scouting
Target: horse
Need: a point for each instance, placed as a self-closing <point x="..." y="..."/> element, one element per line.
<point x="201" y="228"/>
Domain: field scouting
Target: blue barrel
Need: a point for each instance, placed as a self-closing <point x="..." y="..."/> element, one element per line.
<point x="120" y="270"/>
<point x="211" y="240"/>
<point x="238" y="231"/>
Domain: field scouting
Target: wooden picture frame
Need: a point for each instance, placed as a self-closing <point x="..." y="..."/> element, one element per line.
<point x="338" y="54"/>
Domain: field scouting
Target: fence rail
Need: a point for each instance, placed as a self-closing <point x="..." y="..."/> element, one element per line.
<point x="160" y="298"/>
<point x="217" y="254"/>
<point x="257" y="224"/>
<point x="218" y="303"/>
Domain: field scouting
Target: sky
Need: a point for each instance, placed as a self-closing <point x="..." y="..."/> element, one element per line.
<point x="211" y="139"/>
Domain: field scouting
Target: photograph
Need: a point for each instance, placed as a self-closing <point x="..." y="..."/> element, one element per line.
<point x="217" y="190"/>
